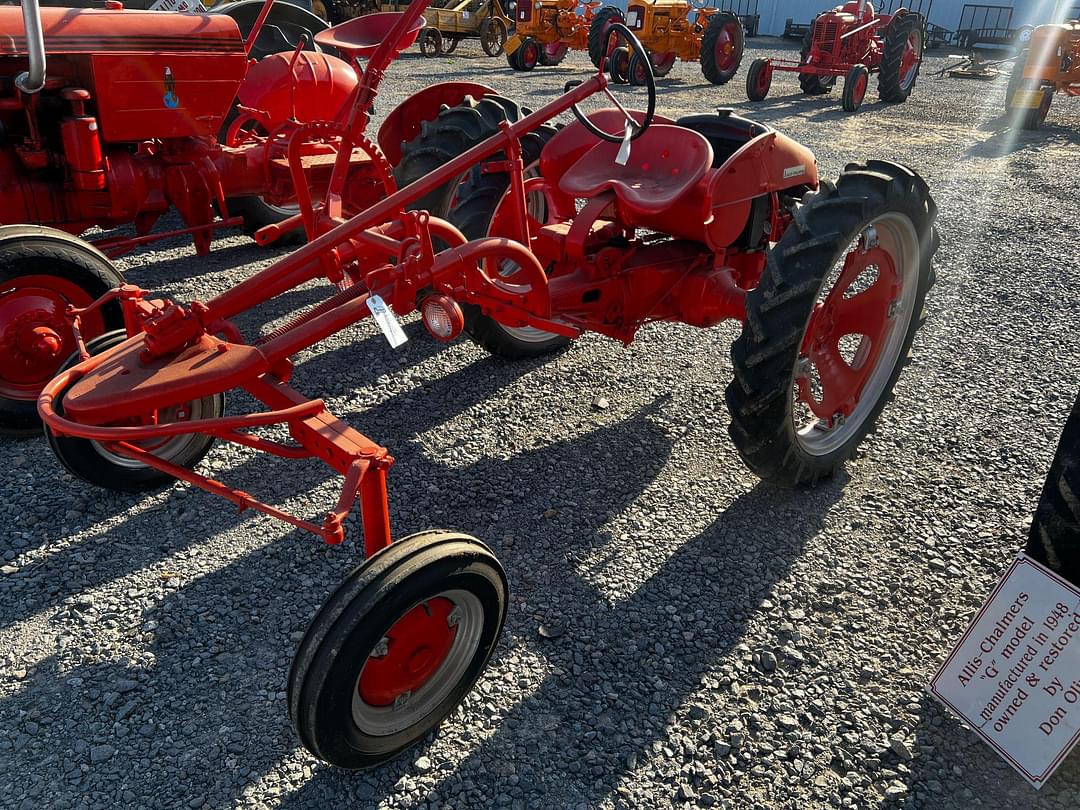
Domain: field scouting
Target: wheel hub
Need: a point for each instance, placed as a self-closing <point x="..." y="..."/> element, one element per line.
<point x="412" y="651"/>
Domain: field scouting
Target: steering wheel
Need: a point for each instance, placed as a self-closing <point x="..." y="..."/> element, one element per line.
<point x="637" y="130"/>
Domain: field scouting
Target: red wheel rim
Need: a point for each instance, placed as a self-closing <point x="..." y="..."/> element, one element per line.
<point x="530" y="54"/>
<point x="764" y="79"/>
<point x="35" y="337"/>
<point x="860" y="88"/>
<point x="724" y="50"/>
<point x="639" y="72"/>
<point x="416" y="645"/>
<point x="555" y="51"/>
<point x="865" y="314"/>
<point x="663" y="62"/>
<point x="910" y="59"/>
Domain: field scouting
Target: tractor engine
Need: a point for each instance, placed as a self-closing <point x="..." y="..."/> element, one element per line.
<point x="832" y="35"/>
<point x="124" y="123"/>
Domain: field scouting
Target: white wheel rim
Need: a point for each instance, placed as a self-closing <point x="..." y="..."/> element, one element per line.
<point x="173" y="448"/>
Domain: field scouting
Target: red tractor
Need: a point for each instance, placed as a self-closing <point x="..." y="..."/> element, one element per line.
<point x="112" y="116"/>
<point x="852" y="41"/>
<point x="616" y="221"/>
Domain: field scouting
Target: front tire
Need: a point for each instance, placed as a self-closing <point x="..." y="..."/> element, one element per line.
<point x="759" y="79"/>
<point x="396" y="648"/>
<point x="100" y="466"/>
<point x="1030" y="118"/>
<point x="722" y="47"/>
<point x="42" y="272"/>
<point x="830" y="325"/>
<point x="855" y="88"/>
<point x="1055" y="529"/>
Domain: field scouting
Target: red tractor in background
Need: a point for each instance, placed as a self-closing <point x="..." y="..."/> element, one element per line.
<point x="854" y="41"/>
<point x="137" y="112"/>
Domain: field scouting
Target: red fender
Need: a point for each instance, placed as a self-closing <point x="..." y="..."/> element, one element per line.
<point x="403" y="123"/>
<point x="323" y="84"/>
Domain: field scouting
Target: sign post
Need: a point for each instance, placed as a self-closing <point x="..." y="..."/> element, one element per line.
<point x="1014" y="676"/>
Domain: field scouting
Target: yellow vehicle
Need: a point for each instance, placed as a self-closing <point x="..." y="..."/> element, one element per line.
<point x="447" y="25"/>
<point x="1051" y="64"/>
<point x="670" y="30"/>
<point x="546" y="30"/>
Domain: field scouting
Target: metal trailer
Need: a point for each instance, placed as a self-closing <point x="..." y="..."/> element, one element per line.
<point x="745" y="10"/>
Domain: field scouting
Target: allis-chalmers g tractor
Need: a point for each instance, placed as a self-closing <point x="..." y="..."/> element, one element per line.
<point x="110" y="116"/>
<point x="666" y="30"/>
<point x="1050" y="65"/>
<point x="624" y="218"/>
<point x="546" y="29"/>
<point x="852" y="41"/>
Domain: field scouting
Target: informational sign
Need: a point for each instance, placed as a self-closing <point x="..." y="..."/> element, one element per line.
<point x="178" y="5"/>
<point x="1014" y="676"/>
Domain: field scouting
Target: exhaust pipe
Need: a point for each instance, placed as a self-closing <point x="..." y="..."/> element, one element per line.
<point x="33" y="80"/>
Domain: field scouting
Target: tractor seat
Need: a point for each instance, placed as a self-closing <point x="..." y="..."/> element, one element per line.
<point x="665" y="164"/>
<point x="360" y="36"/>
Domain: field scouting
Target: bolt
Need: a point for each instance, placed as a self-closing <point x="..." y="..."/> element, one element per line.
<point x="802" y="367"/>
<point x="894" y="307"/>
<point x="402" y="700"/>
<point x="454" y="617"/>
<point x="381" y="649"/>
<point x="838" y="419"/>
<point x="869" y="239"/>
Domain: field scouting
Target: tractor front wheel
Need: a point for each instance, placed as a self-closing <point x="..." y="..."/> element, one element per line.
<point x="396" y="648"/>
<point x="553" y="54"/>
<point x="637" y="71"/>
<point x="1027" y="102"/>
<point x="722" y="47"/>
<point x="830" y="326"/>
<point x="759" y="79"/>
<point x="855" y="87"/>
<point x="107" y="467"/>
<point x="901" y="57"/>
<point x="42" y="272"/>
<point x="619" y="65"/>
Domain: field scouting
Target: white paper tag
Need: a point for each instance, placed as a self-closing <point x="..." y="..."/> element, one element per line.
<point x="387" y="321"/>
<point x="1014" y="676"/>
<point x="624" y="149"/>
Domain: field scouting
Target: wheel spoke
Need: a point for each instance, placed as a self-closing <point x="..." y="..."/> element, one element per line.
<point x="866" y="313"/>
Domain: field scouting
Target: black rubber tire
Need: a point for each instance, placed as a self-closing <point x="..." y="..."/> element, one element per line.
<point x="1026" y="117"/>
<point x="619" y="65"/>
<point x="1054" y="539"/>
<point x="760" y="398"/>
<point x="606" y="15"/>
<point x="891" y="87"/>
<point x="754" y="91"/>
<point x="850" y="99"/>
<point x="811" y="84"/>
<point x="349" y="625"/>
<point x="430" y="42"/>
<point x="35" y="250"/>
<point x="634" y="71"/>
<point x="514" y="59"/>
<point x="479" y="194"/>
<point x="528" y="54"/>
<point x="81" y="458"/>
<point x="454" y="131"/>
<point x="709" y="69"/>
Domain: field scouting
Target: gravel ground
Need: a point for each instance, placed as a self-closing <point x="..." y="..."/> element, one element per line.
<point x="724" y="643"/>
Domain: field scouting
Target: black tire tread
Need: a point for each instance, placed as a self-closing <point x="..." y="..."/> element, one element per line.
<point x="896" y="37"/>
<point x="596" y="31"/>
<point x="709" y="68"/>
<point x="1054" y="539"/>
<point x="764" y="354"/>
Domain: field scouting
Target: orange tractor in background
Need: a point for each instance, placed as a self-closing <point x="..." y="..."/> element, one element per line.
<point x="546" y="29"/>
<point x="1051" y="64"/>
<point x="670" y="30"/>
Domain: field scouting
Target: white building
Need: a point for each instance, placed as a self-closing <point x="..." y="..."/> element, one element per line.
<point x="946" y="13"/>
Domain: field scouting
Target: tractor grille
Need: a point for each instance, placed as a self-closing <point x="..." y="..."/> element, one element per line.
<point x="827" y="36"/>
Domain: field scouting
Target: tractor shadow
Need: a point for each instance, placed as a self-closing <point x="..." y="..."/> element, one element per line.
<point x="1009" y="139"/>
<point x="137" y="540"/>
<point x="587" y="726"/>
<point x="219" y="647"/>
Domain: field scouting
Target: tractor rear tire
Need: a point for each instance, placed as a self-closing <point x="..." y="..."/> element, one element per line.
<point x="777" y="351"/>
<point x="724" y="28"/>
<point x="396" y="648"/>
<point x="601" y="21"/>
<point x="811" y="83"/>
<point x="98" y="465"/>
<point x="451" y="133"/>
<point x="42" y="271"/>
<point x="1055" y="528"/>
<point x="894" y="83"/>
<point x="478" y="196"/>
